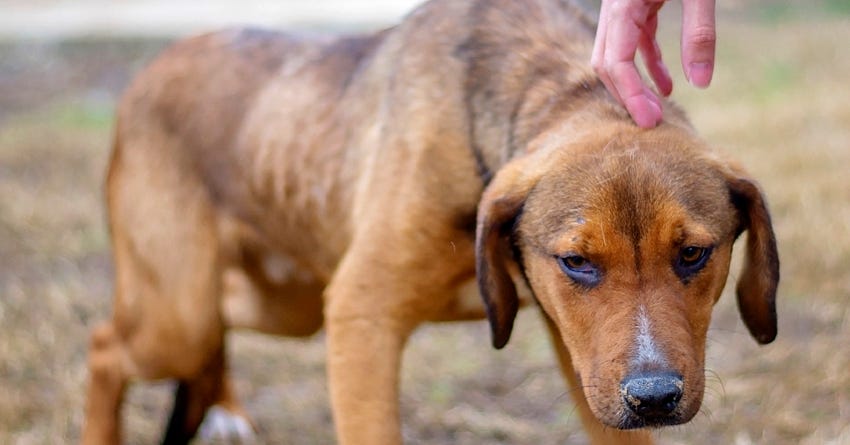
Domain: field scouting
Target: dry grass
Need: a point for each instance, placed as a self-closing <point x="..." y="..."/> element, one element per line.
<point x="780" y="104"/>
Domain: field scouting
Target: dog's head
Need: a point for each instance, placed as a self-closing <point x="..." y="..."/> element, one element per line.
<point x="625" y="242"/>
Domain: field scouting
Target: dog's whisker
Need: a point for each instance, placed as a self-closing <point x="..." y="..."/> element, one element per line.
<point x="705" y="412"/>
<point x="712" y="376"/>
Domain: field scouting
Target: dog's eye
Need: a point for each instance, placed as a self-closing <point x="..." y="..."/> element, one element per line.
<point x="575" y="262"/>
<point x="691" y="260"/>
<point x="692" y="254"/>
<point x="580" y="270"/>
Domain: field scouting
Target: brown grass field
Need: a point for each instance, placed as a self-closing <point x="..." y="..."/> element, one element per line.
<point x="780" y="102"/>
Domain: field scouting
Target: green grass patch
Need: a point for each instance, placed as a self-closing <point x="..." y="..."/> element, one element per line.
<point x="87" y="116"/>
<point x="837" y="6"/>
<point x="82" y="115"/>
<point x="789" y="11"/>
<point x="778" y="77"/>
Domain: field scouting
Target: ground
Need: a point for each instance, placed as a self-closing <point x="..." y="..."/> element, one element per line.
<point x="779" y="103"/>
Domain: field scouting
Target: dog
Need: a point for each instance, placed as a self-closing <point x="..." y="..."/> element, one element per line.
<point x="460" y="165"/>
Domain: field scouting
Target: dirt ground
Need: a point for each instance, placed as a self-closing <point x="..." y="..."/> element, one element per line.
<point x="780" y="102"/>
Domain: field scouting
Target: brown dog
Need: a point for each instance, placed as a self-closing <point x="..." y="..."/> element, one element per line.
<point x="266" y="182"/>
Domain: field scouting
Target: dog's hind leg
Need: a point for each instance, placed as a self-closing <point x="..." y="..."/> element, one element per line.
<point x="597" y="433"/>
<point x="167" y="321"/>
<point x="107" y="380"/>
<point x="191" y="400"/>
<point x="153" y="337"/>
<point x="207" y="406"/>
<point x="226" y="420"/>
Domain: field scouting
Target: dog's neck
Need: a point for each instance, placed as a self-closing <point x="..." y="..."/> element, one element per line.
<point x="528" y="71"/>
<point x="551" y="106"/>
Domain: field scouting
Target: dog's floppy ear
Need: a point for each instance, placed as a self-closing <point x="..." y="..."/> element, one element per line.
<point x="500" y="205"/>
<point x="759" y="277"/>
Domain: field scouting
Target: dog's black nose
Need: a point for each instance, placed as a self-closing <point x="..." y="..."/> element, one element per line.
<point x="652" y="394"/>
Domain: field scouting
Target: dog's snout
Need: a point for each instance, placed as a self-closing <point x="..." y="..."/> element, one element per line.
<point x="652" y="395"/>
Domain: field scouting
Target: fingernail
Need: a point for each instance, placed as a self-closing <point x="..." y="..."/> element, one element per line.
<point x="659" y="113"/>
<point x="650" y="117"/>
<point x="699" y="74"/>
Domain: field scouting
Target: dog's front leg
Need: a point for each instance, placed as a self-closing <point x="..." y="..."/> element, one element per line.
<point x="363" y="365"/>
<point x="366" y="335"/>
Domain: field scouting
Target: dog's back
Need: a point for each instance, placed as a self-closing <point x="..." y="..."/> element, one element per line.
<point x="214" y="100"/>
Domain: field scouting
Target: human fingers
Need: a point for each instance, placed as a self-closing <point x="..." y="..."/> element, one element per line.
<point x="622" y="39"/>
<point x="641" y="103"/>
<point x="597" y="60"/>
<point x="699" y="37"/>
<point x="599" y="40"/>
<point x="651" y="53"/>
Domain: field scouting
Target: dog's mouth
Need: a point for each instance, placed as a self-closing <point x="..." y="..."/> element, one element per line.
<point x="630" y="420"/>
<point x="627" y="419"/>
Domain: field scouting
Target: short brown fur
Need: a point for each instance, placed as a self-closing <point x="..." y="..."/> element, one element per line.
<point x="268" y="182"/>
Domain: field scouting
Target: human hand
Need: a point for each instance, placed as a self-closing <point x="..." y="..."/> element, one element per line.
<point x="628" y="26"/>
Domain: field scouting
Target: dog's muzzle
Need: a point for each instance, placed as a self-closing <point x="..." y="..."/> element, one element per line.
<point x="651" y="398"/>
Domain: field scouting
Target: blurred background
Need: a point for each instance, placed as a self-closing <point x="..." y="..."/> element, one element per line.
<point x="779" y="102"/>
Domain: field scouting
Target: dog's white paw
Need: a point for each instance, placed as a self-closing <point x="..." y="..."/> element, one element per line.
<point x="221" y="425"/>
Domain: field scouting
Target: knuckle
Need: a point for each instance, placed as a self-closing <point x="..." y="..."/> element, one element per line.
<point x="621" y="8"/>
<point x="703" y="37"/>
<point x="623" y="69"/>
<point x="617" y="7"/>
<point x="597" y="66"/>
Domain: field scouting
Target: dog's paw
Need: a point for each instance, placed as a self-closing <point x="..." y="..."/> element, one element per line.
<point x="221" y="425"/>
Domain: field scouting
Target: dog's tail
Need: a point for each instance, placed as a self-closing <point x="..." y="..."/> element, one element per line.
<point x="180" y="426"/>
<point x="192" y="398"/>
